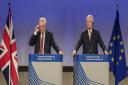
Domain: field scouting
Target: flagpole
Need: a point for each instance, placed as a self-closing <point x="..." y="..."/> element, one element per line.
<point x="117" y="6"/>
<point x="9" y="4"/>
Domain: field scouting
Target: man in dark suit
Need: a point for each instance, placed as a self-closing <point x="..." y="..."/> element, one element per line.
<point x="42" y="39"/>
<point x="90" y="39"/>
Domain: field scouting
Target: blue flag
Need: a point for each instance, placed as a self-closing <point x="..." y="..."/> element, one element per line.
<point x="117" y="52"/>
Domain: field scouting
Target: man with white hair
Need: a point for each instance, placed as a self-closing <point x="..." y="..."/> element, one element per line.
<point x="42" y="39"/>
<point x="90" y="39"/>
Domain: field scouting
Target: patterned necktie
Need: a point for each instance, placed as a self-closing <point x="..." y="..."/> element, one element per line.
<point x="41" y="43"/>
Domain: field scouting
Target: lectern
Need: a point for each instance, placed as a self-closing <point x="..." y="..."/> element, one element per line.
<point x="91" y="69"/>
<point x="45" y="69"/>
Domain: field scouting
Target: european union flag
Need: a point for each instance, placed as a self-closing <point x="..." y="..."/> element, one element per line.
<point x="117" y="52"/>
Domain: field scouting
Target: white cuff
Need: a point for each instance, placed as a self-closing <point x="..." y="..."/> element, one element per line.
<point x="106" y="52"/>
<point x="35" y="33"/>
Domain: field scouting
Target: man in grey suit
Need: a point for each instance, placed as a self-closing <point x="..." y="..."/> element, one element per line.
<point x="90" y="39"/>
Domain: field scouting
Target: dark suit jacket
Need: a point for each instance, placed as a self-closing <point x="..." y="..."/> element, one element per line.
<point x="49" y="42"/>
<point x="90" y="46"/>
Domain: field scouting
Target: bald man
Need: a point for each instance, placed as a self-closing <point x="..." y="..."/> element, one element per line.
<point x="43" y="39"/>
<point x="90" y="39"/>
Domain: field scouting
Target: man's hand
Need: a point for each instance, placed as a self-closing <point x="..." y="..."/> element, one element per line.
<point x="106" y="53"/>
<point x="74" y="52"/>
<point x="36" y="28"/>
<point x="61" y="52"/>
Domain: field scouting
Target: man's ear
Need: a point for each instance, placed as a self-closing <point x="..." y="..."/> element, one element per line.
<point x="92" y="23"/>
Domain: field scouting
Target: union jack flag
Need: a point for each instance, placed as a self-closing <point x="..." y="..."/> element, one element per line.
<point x="8" y="53"/>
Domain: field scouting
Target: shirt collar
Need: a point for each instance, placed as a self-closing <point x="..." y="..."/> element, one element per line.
<point x="90" y="30"/>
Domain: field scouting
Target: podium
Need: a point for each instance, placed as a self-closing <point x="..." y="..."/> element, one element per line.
<point x="91" y="69"/>
<point x="45" y="69"/>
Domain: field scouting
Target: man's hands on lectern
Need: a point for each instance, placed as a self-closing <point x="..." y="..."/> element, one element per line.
<point x="74" y="52"/>
<point x="61" y="52"/>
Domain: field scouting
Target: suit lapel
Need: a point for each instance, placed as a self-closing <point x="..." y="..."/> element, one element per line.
<point x="92" y="36"/>
<point x="86" y="35"/>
